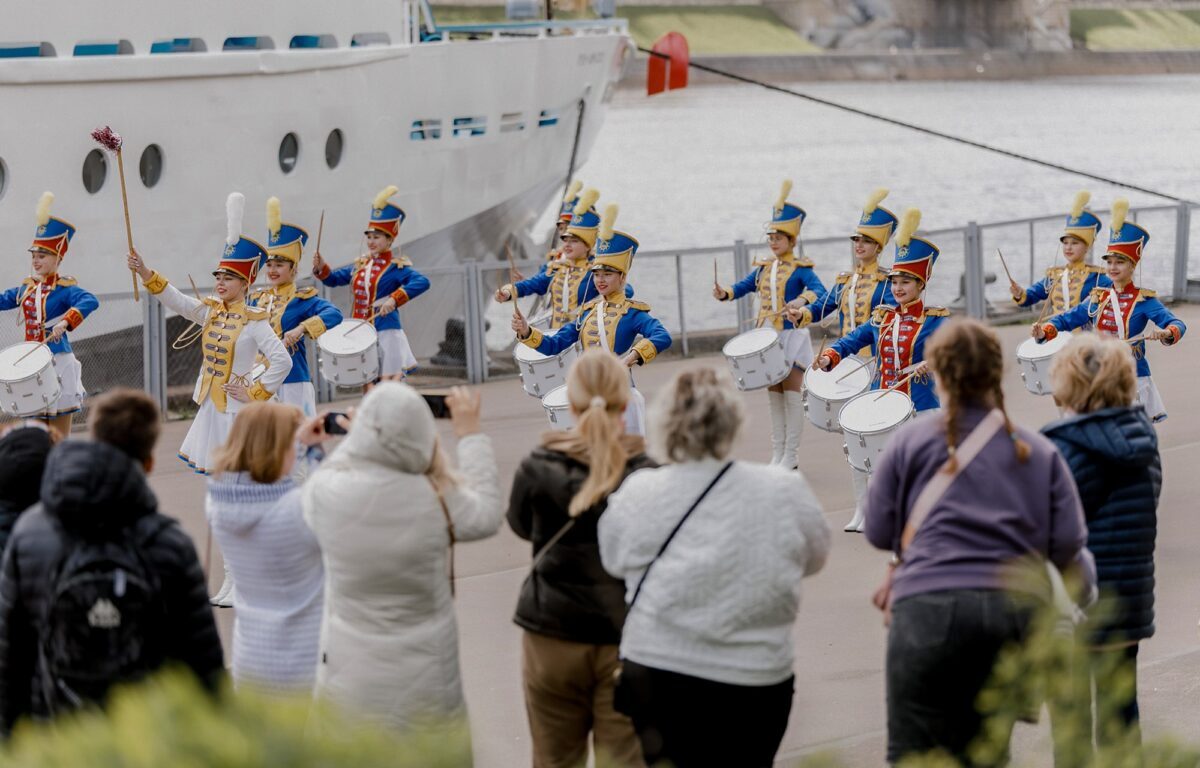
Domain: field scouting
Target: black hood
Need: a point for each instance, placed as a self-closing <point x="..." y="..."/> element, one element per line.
<point x="1120" y="435"/>
<point x="23" y="455"/>
<point x="94" y="487"/>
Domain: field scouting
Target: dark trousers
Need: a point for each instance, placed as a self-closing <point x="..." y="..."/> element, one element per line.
<point x="941" y="649"/>
<point x="1112" y="679"/>
<point x="690" y="722"/>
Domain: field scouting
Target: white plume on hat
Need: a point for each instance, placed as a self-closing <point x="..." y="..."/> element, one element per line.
<point x="235" y="209"/>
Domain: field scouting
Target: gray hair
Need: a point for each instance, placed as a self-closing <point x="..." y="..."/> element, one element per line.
<point x="697" y="416"/>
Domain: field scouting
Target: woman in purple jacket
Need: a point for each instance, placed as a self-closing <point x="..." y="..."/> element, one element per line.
<point x="953" y="604"/>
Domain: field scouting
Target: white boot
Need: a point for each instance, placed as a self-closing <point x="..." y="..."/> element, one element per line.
<point x="794" y="402"/>
<point x="778" y="410"/>
<point x="225" y="595"/>
<point x="860" y="480"/>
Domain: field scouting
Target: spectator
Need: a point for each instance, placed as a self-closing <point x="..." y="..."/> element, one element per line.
<point x="97" y="586"/>
<point x="952" y="611"/>
<point x="570" y="608"/>
<point x="386" y="509"/>
<point x="707" y="643"/>
<point x="1112" y="450"/>
<point x="253" y="506"/>
<point x="23" y="452"/>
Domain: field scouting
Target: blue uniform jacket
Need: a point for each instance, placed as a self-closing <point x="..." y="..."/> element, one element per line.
<point x="305" y="308"/>
<point x="540" y="283"/>
<point x="1147" y="308"/>
<point x="803" y="281"/>
<point x="1094" y="277"/>
<point x="832" y="302"/>
<point x="398" y="280"/>
<point x="635" y="320"/>
<point x="64" y="300"/>
<point x="920" y="387"/>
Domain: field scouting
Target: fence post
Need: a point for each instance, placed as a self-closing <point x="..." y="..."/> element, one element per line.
<point x="973" y="256"/>
<point x="1183" y="231"/>
<point x="683" y="332"/>
<point x="741" y="268"/>
<point x="473" y="330"/>
<point x="154" y="351"/>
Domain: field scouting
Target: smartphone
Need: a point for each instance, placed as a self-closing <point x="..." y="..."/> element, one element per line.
<point x="437" y="404"/>
<point x="331" y="424"/>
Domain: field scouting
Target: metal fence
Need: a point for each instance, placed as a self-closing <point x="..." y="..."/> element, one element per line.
<point x="467" y="335"/>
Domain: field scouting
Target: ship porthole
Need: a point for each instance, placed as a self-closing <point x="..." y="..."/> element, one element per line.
<point x="333" y="148"/>
<point x="151" y="165"/>
<point x="95" y="169"/>
<point x="289" y="152"/>
<point x="3" y="177"/>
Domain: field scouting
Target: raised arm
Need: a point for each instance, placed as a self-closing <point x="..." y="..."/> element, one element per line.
<point x="412" y="285"/>
<point x="1033" y="294"/>
<point x="862" y="336"/>
<point x="747" y="284"/>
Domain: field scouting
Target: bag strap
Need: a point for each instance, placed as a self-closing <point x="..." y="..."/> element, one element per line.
<point x="675" y="530"/>
<point x="449" y="528"/>
<point x="937" y="486"/>
<point x="541" y="553"/>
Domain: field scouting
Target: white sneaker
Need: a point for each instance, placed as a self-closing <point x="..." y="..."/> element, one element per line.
<point x="225" y="595"/>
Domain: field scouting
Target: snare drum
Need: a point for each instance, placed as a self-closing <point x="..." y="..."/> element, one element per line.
<point x="1035" y="358"/>
<point x="558" y="408"/>
<point x="824" y="395"/>
<point x="30" y="386"/>
<point x="350" y="354"/>
<point x="542" y="373"/>
<point x="868" y="423"/>
<point x="756" y="359"/>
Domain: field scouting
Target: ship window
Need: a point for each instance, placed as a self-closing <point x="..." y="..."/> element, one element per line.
<point x="469" y="126"/>
<point x="95" y="168"/>
<point x="151" y="165"/>
<point x="511" y="122"/>
<point x="26" y="50"/>
<point x="547" y="118"/>
<point x="289" y="151"/>
<point x="179" y="45"/>
<point x="425" y="129"/>
<point x="333" y="148"/>
<point x="260" y="43"/>
<point x="3" y="177"/>
<point x="104" y="48"/>
<point x="313" y="41"/>
<point x="370" y="38"/>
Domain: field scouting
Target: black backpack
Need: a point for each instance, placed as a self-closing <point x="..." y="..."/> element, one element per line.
<point x="104" y="617"/>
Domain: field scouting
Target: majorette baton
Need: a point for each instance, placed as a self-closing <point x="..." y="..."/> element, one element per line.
<point x="112" y="141"/>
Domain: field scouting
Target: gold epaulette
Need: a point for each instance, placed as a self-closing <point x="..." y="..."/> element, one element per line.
<point x="761" y="263"/>
<point x="306" y="293"/>
<point x="804" y="261"/>
<point x="842" y="278"/>
<point x="402" y="261"/>
<point x="589" y="304"/>
<point x="259" y="294"/>
<point x="258" y="313"/>
<point x="635" y="304"/>
<point x="1147" y="293"/>
<point x="66" y="280"/>
<point x="881" y="312"/>
<point x="1098" y="294"/>
<point x="937" y="312"/>
<point x="361" y="262"/>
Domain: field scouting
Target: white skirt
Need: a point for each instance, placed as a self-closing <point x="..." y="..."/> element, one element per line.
<point x="395" y="354"/>
<point x="300" y="394"/>
<point x="797" y="346"/>
<point x="207" y="434"/>
<point x="1148" y="398"/>
<point x="70" y="381"/>
<point x="635" y="413"/>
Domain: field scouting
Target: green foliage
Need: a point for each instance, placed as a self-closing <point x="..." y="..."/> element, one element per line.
<point x="170" y="721"/>
<point x="1136" y="30"/>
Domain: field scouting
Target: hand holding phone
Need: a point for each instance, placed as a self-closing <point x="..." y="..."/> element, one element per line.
<point x="332" y="425"/>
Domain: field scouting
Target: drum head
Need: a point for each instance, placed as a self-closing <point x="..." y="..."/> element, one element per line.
<point x="556" y="399"/>
<point x="39" y="358"/>
<point x="527" y="354"/>
<point x="826" y="385"/>
<point x="875" y="411"/>
<point x="348" y="338"/>
<point x="1030" y="349"/>
<point x="750" y="342"/>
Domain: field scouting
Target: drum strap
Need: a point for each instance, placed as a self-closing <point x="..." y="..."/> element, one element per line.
<point x="896" y="340"/>
<point x="774" y="293"/>
<point x="601" y="311"/>
<point x="38" y="307"/>
<point x="852" y="301"/>
<point x="1066" y="289"/>
<point x="1118" y="314"/>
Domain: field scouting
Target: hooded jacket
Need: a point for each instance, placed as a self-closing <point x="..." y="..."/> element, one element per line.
<point x="93" y="490"/>
<point x="389" y="638"/>
<point x="23" y="455"/>
<point x="568" y="594"/>
<point x="1113" y="454"/>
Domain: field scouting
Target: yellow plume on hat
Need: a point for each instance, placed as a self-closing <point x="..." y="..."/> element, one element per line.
<point x="43" y="207"/>
<point x="875" y="199"/>
<point x="608" y="221"/>
<point x="784" y="191"/>
<point x="573" y="191"/>
<point x="274" y="215"/>
<point x="1081" y="199"/>
<point x="587" y="200"/>
<point x="908" y="226"/>
<point x="1120" y="210"/>
<point x="382" y="198"/>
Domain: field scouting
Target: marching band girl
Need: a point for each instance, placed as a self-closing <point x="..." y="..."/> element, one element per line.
<point x="294" y="312"/>
<point x="565" y="214"/>
<point x="233" y="335"/>
<point x="382" y="282"/>
<point x="51" y="305"/>
<point x="1122" y="309"/>
<point x="783" y="280"/>
<point x="1069" y="286"/>
<point x="898" y="333"/>
<point x="612" y="320"/>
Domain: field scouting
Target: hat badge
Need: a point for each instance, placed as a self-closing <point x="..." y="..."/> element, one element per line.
<point x="603" y="247"/>
<point x="866" y="217"/>
<point x="274" y="238"/>
<point x="41" y="230"/>
<point x="228" y="250"/>
<point x="902" y="253"/>
<point x="377" y="212"/>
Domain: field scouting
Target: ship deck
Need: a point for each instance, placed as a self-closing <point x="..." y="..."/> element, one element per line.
<point x="839" y="703"/>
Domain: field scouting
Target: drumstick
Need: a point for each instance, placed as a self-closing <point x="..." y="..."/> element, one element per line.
<point x="513" y="274"/>
<point x="320" y="231"/>
<point x="715" y="281"/>
<point x="855" y="369"/>
<point x="364" y="322"/>
<point x="31" y="351"/>
<point x="900" y="383"/>
<point x="1004" y="264"/>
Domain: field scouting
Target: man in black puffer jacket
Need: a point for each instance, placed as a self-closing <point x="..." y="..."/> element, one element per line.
<point x="23" y="452"/>
<point x="1112" y="450"/>
<point x="93" y="491"/>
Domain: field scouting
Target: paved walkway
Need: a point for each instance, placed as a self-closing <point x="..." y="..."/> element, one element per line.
<point x="839" y="641"/>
